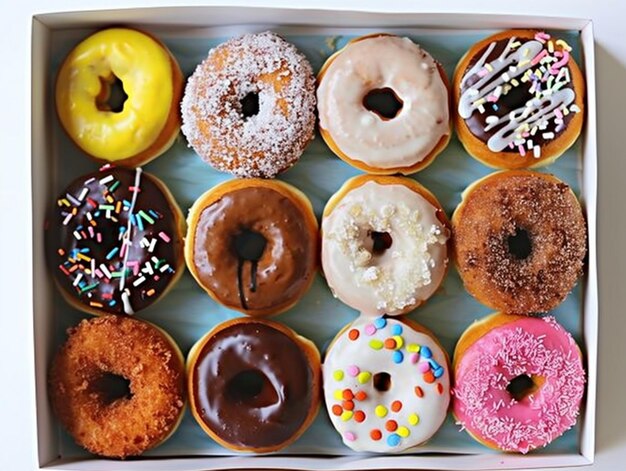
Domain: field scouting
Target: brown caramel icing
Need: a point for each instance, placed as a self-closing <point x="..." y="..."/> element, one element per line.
<point x="253" y="385"/>
<point x="254" y="250"/>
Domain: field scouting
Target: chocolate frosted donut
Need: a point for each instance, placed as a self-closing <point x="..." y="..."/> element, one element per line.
<point x="252" y="245"/>
<point x="520" y="241"/>
<point x="254" y="385"/>
<point x="115" y="241"/>
<point x="519" y="97"/>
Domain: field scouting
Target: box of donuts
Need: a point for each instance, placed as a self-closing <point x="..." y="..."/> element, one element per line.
<point x="317" y="240"/>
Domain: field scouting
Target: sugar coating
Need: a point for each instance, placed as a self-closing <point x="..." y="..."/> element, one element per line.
<point x="269" y="142"/>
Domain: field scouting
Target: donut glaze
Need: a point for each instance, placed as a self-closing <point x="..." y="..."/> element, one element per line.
<point x="520" y="97"/>
<point x="248" y="415"/>
<point x="405" y="143"/>
<point x="115" y="241"/>
<point x="406" y="273"/>
<point x="504" y="348"/>
<point x="393" y="413"/>
<point x="497" y="209"/>
<point x="275" y="279"/>
<point x="215" y="120"/>
<point x="80" y="393"/>
<point x="148" y="121"/>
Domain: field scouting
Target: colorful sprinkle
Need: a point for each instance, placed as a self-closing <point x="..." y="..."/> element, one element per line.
<point x="376" y="434"/>
<point x="353" y="370"/>
<point x="413" y="348"/>
<point x="346" y="415"/>
<point x="347" y="394"/>
<point x="338" y="375"/>
<point x="419" y="392"/>
<point x="396" y="329"/>
<point x="397" y="357"/>
<point x="380" y="322"/>
<point x="359" y="416"/>
<point x="440" y="388"/>
<point x="425" y="352"/>
<point x="423" y="367"/>
<point x="391" y="425"/>
<point x="376" y="344"/>
<point x="338" y="395"/>
<point x="429" y="377"/>
<point x="399" y="341"/>
<point x="414" y="419"/>
<point x="393" y="439"/>
<point x="360" y="396"/>
<point x="336" y="410"/>
<point x="350" y="436"/>
<point x="364" y="377"/>
<point x="380" y="411"/>
<point x="347" y="405"/>
<point x="403" y="432"/>
<point x="414" y="358"/>
<point x="370" y="329"/>
<point x="396" y="406"/>
<point x="353" y="334"/>
<point x="390" y="344"/>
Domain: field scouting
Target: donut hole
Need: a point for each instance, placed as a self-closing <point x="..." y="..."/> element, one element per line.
<point x="110" y="387"/>
<point x="382" y="381"/>
<point x="251" y="388"/>
<point x="249" y="245"/>
<point x="383" y="102"/>
<point x="381" y="241"/>
<point x="522" y="386"/>
<point x="112" y="95"/>
<point x="250" y="105"/>
<point x="519" y="244"/>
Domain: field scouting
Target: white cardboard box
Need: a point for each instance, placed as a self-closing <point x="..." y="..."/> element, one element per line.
<point x="44" y="25"/>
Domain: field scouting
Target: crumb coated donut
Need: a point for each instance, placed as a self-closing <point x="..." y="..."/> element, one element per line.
<point x="253" y="244"/>
<point x="249" y="107"/>
<point x="118" y="386"/>
<point x="519" y="381"/>
<point x="383" y="104"/>
<point x="520" y="99"/>
<point x="384" y="244"/>
<point x="386" y="384"/>
<point x="254" y="385"/>
<point x="141" y="127"/>
<point x="520" y="239"/>
<point x="115" y="241"/>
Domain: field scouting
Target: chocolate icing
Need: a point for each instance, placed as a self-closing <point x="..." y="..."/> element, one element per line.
<point x="252" y="385"/>
<point x="516" y="98"/>
<point x="271" y="278"/>
<point x="157" y="267"/>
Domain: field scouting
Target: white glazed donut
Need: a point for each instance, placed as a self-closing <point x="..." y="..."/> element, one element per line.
<point x="386" y="385"/>
<point x="384" y="247"/>
<point x="384" y="144"/>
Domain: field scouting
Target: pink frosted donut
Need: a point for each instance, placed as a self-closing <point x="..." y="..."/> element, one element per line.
<point x="519" y="381"/>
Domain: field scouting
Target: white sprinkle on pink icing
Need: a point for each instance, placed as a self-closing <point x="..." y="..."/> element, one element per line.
<point x="534" y="347"/>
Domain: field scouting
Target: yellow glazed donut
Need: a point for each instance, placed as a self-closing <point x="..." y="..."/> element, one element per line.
<point x="148" y="122"/>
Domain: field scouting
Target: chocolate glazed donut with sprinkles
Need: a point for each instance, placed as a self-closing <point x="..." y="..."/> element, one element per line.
<point x="114" y="241"/>
<point x="386" y="384"/>
<point x="520" y="99"/>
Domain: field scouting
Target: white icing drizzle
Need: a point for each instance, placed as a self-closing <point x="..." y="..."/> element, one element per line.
<point x="520" y="63"/>
<point x="408" y="272"/>
<point x="127" y="240"/>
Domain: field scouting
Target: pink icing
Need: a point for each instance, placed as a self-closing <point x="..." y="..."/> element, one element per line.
<point x="530" y="346"/>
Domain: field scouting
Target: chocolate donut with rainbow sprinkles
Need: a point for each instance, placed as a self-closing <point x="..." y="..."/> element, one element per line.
<point x="520" y="98"/>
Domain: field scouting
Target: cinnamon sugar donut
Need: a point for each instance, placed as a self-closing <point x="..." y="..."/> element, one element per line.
<point x="520" y="241"/>
<point x="249" y="107"/>
<point x="88" y="394"/>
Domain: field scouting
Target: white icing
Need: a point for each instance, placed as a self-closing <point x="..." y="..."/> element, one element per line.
<point x="511" y="64"/>
<point x="407" y="273"/>
<point x="405" y="376"/>
<point x="375" y="63"/>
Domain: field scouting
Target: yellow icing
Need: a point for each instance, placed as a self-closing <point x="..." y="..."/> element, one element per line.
<point x="144" y="68"/>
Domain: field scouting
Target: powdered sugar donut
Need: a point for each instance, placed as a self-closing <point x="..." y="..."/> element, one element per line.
<point x="384" y="247"/>
<point x="249" y="107"/>
<point x="518" y="381"/>
<point x="386" y="384"/>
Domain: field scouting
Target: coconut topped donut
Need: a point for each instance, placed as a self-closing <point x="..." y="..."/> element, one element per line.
<point x="249" y="107"/>
<point x="384" y="244"/>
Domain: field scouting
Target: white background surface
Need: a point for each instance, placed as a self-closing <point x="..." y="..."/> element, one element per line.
<point x="17" y="429"/>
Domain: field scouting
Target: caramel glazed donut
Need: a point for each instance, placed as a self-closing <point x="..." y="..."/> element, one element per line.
<point x="249" y="107"/>
<point x="254" y="385"/>
<point x="115" y="241"/>
<point x="141" y="127"/>
<point x="520" y="97"/>
<point x="256" y="258"/>
<point x="383" y="105"/>
<point x="520" y="241"/>
<point x="118" y="386"/>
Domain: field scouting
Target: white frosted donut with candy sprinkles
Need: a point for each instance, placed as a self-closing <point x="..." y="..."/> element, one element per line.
<point x="386" y="384"/>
